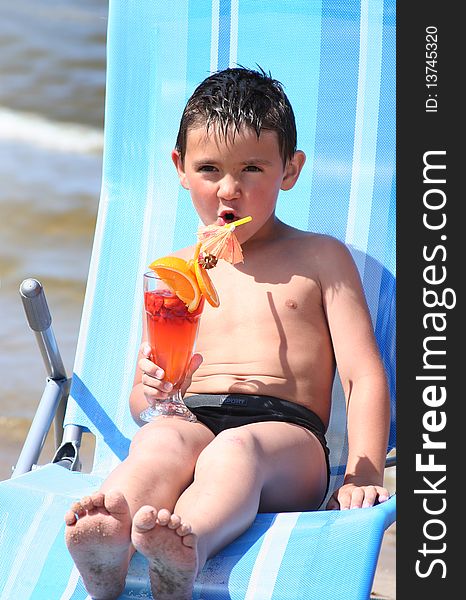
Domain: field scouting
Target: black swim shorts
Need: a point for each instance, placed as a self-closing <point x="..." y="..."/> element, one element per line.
<point x="224" y="411"/>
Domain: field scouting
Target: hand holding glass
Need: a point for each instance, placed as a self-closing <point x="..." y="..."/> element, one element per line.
<point x="172" y="332"/>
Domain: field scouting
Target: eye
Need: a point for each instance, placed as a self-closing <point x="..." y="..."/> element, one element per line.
<point x="207" y="169"/>
<point x="252" y="169"/>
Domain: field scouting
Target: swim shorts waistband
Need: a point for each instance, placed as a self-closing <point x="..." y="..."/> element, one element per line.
<point x="254" y="403"/>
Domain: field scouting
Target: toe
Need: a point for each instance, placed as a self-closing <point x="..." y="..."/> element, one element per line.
<point x="189" y="540"/>
<point x="145" y="518"/>
<point x="78" y="509"/>
<point x="174" y="522"/>
<point x="184" y="529"/>
<point x="70" y="518"/>
<point x="115" y="503"/>
<point x="98" y="499"/>
<point x="86" y="503"/>
<point x="163" y="517"/>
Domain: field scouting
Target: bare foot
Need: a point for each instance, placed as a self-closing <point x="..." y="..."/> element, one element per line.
<point x="171" y="549"/>
<point x="98" y="537"/>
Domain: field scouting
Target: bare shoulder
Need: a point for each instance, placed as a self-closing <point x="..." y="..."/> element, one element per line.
<point x="309" y="239"/>
<point x="325" y="245"/>
<point x="323" y="254"/>
<point x="331" y="253"/>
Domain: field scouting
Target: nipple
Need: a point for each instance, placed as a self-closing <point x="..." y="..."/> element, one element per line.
<point x="290" y="303"/>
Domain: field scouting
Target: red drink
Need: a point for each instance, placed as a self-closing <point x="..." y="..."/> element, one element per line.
<point x="172" y="332"/>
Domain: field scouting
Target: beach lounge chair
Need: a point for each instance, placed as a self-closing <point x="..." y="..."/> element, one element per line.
<point x="337" y="62"/>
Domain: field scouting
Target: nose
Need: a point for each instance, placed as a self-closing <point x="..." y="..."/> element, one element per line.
<point x="229" y="188"/>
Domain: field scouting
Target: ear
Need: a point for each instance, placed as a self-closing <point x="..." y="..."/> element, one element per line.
<point x="178" y="162"/>
<point x="293" y="169"/>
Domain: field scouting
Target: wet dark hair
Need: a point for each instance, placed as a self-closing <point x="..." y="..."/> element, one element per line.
<point x="238" y="97"/>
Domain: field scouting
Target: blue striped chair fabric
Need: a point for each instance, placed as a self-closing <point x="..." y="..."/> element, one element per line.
<point x="337" y="63"/>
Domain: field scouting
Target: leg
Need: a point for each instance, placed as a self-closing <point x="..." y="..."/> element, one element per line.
<point x="263" y="466"/>
<point x="160" y="465"/>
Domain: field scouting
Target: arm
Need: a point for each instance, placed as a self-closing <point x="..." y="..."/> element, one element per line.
<point x="363" y="379"/>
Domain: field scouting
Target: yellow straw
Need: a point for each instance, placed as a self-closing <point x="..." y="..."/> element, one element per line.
<point x="240" y="222"/>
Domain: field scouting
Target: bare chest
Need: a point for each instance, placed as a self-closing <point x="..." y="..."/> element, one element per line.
<point x="278" y="307"/>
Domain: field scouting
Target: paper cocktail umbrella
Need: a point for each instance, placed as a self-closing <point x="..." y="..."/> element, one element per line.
<point x="220" y="241"/>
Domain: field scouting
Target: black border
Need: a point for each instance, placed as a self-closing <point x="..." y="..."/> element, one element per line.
<point x="418" y="132"/>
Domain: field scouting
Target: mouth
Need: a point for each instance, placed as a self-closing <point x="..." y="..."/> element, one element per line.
<point x="227" y="216"/>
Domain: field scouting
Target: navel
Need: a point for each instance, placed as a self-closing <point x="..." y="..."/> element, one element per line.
<point x="290" y="303"/>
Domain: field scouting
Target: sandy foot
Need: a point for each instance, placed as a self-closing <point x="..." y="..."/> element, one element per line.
<point x="98" y="536"/>
<point x="171" y="550"/>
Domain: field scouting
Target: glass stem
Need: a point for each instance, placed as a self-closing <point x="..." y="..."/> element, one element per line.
<point x="173" y="406"/>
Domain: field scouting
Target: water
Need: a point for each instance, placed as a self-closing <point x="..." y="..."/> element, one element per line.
<point x="52" y="93"/>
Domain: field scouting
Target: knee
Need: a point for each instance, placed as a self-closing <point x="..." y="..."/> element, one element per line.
<point x="157" y="438"/>
<point x="163" y="449"/>
<point x="237" y="438"/>
<point x="232" y="445"/>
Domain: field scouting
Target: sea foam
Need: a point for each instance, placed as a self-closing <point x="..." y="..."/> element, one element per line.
<point x="34" y="130"/>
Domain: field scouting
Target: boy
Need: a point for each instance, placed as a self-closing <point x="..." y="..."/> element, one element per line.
<point x="260" y="384"/>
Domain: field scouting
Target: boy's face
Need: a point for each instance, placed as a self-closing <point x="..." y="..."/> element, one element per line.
<point x="235" y="177"/>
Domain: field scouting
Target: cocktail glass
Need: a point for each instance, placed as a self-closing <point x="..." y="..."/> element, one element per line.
<point x="172" y="333"/>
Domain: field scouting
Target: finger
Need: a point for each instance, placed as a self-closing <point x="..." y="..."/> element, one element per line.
<point x="357" y="498"/>
<point x="146" y="350"/>
<point x="194" y="365"/>
<point x="149" y="368"/>
<point x="383" y="494"/>
<point x="152" y="380"/>
<point x="154" y="389"/>
<point x="154" y="397"/>
<point x="196" y="362"/>
<point x="370" y="496"/>
<point x="344" y="499"/>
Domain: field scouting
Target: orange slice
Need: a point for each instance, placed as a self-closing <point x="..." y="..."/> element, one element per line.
<point x="197" y="251"/>
<point x="176" y="273"/>
<point x="206" y="286"/>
